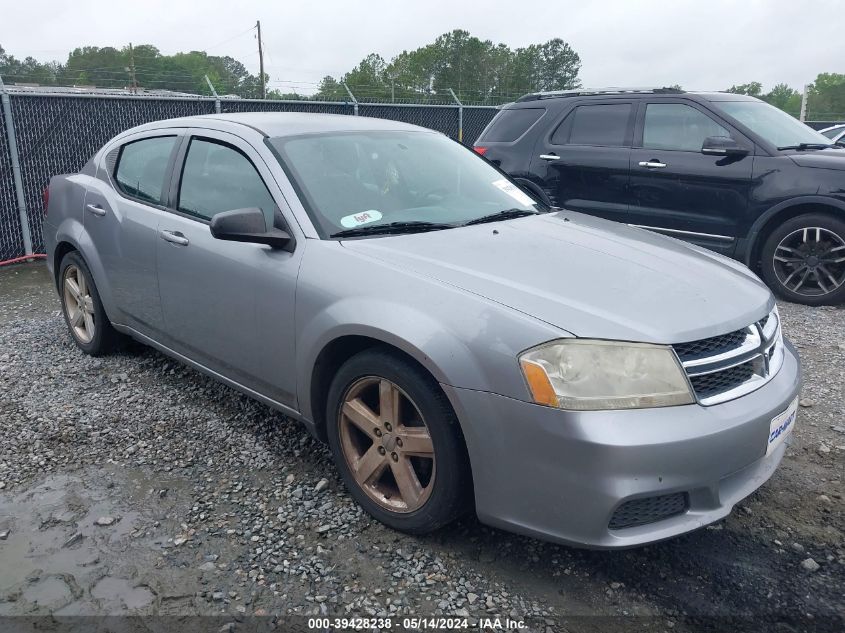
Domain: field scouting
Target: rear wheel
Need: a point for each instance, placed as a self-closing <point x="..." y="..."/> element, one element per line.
<point x="396" y="442"/>
<point x="803" y="260"/>
<point x="83" y="311"/>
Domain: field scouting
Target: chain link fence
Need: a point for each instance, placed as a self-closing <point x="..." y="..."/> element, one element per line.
<point x="11" y="237"/>
<point x="57" y="134"/>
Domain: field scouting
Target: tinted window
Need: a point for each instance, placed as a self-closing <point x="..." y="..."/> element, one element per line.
<point x="833" y="132"/>
<point x="141" y="166"/>
<point x="678" y="126"/>
<point x="595" y="125"/>
<point x="509" y="125"/>
<point x="217" y="178"/>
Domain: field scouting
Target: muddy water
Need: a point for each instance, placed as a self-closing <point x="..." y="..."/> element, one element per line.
<point x="58" y="559"/>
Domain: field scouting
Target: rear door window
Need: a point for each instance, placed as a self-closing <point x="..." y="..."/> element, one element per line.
<point x="513" y="123"/>
<point x="599" y="124"/>
<point x="217" y="177"/>
<point x="141" y="167"/>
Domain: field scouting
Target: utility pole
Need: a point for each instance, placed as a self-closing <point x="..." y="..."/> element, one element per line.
<point x="803" y="115"/>
<point x="261" y="61"/>
<point x="133" y="82"/>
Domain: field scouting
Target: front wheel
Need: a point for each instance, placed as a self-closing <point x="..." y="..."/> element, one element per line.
<point x="396" y="442"/>
<point x="803" y="260"/>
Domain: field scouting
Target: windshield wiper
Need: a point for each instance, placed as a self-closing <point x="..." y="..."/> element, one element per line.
<point x="506" y="214"/>
<point x="803" y="146"/>
<point x="393" y="228"/>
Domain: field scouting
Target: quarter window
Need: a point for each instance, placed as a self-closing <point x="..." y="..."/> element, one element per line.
<point x="217" y="178"/>
<point x="604" y="125"/>
<point x="677" y="126"/>
<point x="512" y="123"/>
<point x="141" y="167"/>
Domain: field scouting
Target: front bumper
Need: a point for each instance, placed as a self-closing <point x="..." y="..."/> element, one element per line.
<point x="560" y="475"/>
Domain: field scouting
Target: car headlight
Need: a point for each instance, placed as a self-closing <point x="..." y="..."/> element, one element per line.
<point x="588" y="375"/>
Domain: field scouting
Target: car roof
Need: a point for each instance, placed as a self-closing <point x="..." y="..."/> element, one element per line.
<point x="281" y="124"/>
<point x="530" y="99"/>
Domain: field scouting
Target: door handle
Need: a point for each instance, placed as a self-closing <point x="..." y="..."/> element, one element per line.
<point x="174" y="237"/>
<point x="652" y="164"/>
<point x="96" y="209"/>
<point x="549" y="157"/>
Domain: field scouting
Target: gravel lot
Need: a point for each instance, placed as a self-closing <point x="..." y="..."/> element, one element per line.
<point x="131" y="484"/>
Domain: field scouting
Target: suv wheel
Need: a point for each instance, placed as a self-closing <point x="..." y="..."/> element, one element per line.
<point x="803" y="260"/>
<point x="396" y="442"/>
<point x="83" y="311"/>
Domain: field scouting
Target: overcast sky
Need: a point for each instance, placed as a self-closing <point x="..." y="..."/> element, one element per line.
<point x="704" y="44"/>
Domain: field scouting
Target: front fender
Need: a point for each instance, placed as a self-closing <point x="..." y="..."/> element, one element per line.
<point x="760" y="222"/>
<point x="441" y="351"/>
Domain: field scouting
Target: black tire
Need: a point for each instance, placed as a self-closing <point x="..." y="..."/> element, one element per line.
<point x="105" y="338"/>
<point x="450" y="496"/>
<point x="774" y="273"/>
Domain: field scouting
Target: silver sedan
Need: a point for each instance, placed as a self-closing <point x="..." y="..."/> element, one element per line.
<point x="461" y="346"/>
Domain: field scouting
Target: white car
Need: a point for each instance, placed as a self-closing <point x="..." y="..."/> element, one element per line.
<point x="835" y="133"/>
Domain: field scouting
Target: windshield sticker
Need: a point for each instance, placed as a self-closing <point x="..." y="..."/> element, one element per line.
<point x="357" y="219"/>
<point x="514" y="192"/>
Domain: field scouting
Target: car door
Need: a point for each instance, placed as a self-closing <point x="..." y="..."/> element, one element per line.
<point x="228" y="306"/>
<point x="583" y="160"/>
<point x="122" y="210"/>
<point x="677" y="189"/>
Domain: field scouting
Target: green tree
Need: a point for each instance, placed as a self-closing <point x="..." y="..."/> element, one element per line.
<point x="479" y="71"/>
<point x="28" y="70"/>
<point x="752" y="89"/>
<point x="331" y="90"/>
<point x="786" y="98"/>
<point x="108" y="67"/>
<point x="826" y="98"/>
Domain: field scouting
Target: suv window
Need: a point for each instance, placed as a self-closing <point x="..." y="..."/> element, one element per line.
<point x="511" y="124"/>
<point x="605" y="124"/>
<point x="141" y="167"/>
<point x="677" y="126"/>
<point x="217" y="177"/>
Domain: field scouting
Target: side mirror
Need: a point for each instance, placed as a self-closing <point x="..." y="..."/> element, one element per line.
<point x="248" y="225"/>
<point x="722" y="146"/>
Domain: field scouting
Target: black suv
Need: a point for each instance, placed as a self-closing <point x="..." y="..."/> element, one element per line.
<point x="728" y="172"/>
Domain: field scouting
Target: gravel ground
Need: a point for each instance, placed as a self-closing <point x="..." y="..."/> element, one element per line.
<point x="134" y="485"/>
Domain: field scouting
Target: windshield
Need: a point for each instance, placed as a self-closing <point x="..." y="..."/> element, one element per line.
<point x="774" y="125"/>
<point x="351" y="180"/>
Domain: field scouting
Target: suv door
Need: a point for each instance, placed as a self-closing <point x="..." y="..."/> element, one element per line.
<point x="675" y="188"/>
<point x="229" y="306"/>
<point x="583" y="160"/>
<point x="122" y="210"/>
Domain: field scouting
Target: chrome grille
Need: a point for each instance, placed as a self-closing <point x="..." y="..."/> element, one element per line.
<point x="717" y="382"/>
<point x="648" y="510"/>
<point x="731" y="365"/>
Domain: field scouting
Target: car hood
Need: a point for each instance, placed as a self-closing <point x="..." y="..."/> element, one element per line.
<point x="590" y="277"/>
<point x="822" y="159"/>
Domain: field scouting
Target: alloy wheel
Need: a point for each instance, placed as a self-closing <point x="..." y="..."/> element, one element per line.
<point x="810" y="261"/>
<point x="386" y="444"/>
<point x="79" y="304"/>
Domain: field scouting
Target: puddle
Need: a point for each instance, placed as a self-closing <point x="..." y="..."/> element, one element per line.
<point x="50" y="593"/>
<point x="116" y="593"/>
